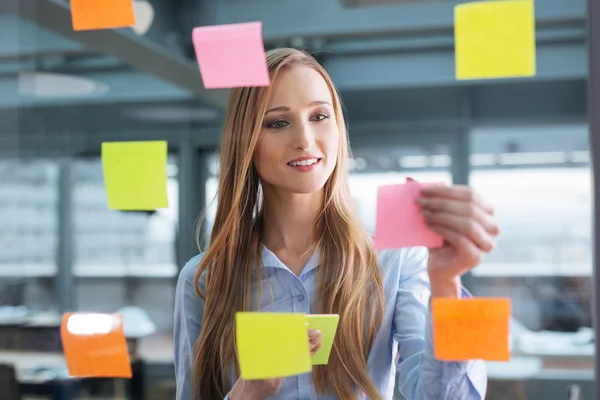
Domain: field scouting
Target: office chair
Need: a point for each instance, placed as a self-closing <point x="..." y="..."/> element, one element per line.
<point x="8" y="383"/>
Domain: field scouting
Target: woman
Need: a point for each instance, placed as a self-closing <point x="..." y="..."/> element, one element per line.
<point x="286" y="238"/>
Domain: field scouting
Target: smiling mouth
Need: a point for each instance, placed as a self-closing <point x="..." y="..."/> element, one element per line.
<point x="304" y="163"/>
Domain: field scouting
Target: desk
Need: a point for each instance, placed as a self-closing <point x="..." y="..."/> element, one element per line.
<point x="35" y="369"/>
<point x="507" y="380"/>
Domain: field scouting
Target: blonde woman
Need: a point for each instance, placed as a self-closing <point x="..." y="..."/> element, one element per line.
<point x="286" y="238"/>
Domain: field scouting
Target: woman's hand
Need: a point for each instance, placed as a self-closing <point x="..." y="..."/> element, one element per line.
<point x="264" y="388"/>
<point x="469" y="228"/>
<point x="314" y="339"/>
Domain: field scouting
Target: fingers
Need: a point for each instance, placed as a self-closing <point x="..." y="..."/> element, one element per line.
<point x="461" y="193"/>
<point x="314" y="350"/>
<point x="314" y="338"/>
<point x="465" y="211"/>
<point x="468" y="248"/>
<point x="468" y="228"/>
<point x="460" y="210"/>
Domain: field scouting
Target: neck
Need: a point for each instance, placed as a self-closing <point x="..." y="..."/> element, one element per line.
<point x="290" y="218"/>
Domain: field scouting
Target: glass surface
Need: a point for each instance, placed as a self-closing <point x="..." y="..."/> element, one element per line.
<point x="393" y="64"/>
<point x="543" y="261"/>
<point x="28" y="233"/>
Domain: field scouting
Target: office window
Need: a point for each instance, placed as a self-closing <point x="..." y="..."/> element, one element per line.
<point x="28" y="232"/>
<point x="122" y="258"/>
<point x="539" y="180"/>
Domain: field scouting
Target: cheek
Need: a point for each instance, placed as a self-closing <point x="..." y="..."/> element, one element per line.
<point x="332" y="145"/>
<point x="265" y="156"/>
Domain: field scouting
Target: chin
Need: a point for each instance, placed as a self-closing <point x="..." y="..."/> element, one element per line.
<point x="304" y="187"/>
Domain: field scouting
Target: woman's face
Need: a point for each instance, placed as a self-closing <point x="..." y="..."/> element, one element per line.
<point x="297" y="148"/>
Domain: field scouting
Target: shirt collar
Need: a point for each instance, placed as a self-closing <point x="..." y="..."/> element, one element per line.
<point x="269" y="259"/>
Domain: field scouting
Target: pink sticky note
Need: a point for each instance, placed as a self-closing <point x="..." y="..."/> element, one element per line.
<point x="231" y="55"/>
<point x="399" y="220"/>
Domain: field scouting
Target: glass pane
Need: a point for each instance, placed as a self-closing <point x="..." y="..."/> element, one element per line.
<point x="541" y="187"/>
<point x="114" y="245"/>
<point x="28" y="234"/>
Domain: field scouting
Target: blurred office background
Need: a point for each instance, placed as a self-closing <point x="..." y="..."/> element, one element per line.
<point x="522" y="143"/>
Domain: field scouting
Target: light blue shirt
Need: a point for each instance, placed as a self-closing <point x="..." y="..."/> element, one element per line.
<point x="405" y="330"/>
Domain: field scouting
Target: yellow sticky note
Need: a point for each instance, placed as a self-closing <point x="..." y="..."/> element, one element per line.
<point x="135" y="175"/>
<point x="494" y="39"/>
<point x="327" y="324"/>
<point x="272" y="345"/>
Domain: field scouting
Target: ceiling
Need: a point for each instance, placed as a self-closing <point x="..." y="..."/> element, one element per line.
<point x="393" y="64"/>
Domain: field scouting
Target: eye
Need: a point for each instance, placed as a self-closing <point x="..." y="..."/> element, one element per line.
<point x="279" y="124"/>
<point x="320" y="117"/>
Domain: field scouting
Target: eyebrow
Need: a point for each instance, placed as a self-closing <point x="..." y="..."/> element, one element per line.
<point x="311" y="104"/>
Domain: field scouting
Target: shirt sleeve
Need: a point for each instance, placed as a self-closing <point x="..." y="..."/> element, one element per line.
<point x="189" y="309"/>
<point x="420" y="375"/>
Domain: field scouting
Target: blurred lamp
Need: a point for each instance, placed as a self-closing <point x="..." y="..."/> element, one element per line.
<point x="53" y="85"/>
<point x="136" y="322"/>
<point x="144" y="16"/>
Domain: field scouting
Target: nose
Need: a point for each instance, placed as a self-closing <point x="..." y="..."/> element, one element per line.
<point x="304" y="137"/>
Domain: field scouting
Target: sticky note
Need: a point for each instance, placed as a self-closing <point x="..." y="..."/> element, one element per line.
<point x="101" y="14"/>
<point x="272" y="345"/>
<point x="327" y="324"/>
<point x="231" y="55"/>
<point x="399" y="222"/>
<point x="135" y="175"/>
<point x="471" y="329"/>
<point x="95" y="346"/>
<point x="494" y="39"/>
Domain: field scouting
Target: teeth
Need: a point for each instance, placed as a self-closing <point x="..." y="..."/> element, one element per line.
<point x="304" y="163"/>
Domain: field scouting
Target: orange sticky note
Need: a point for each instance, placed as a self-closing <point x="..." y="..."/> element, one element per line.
<point x="95" y="346"/>
<point x="399" y="220"/>
<point x="471" y="329"/>
<point x="101" y="14"/>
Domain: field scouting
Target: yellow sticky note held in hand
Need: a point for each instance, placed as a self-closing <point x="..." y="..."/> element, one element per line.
<point x="327" y="324"/>
<point x="135" y="175"/>
<point x="272" y="345"/>
<point x="495" y="39"/>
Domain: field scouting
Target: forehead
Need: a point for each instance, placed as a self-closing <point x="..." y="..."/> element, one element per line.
<point x="299" y="85"/>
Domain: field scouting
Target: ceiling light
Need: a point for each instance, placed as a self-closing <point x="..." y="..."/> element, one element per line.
<point x="144" y="16"/>
<point x="52" y="85"/>
<point x="172" y="114"/>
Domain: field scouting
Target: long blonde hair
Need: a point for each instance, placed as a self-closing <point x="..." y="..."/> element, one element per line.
<point x="349" y="279"/>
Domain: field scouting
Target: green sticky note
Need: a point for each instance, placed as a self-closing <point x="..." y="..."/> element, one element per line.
<point x="327" y="324"/>
<point x="135" y="175"/>
<point x="494" y="39"/>
<point x="272" y="345"/>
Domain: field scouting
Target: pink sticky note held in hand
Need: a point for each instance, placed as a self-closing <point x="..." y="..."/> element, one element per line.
<point x="231" y="55"/>
<point x="399" y="219"/>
